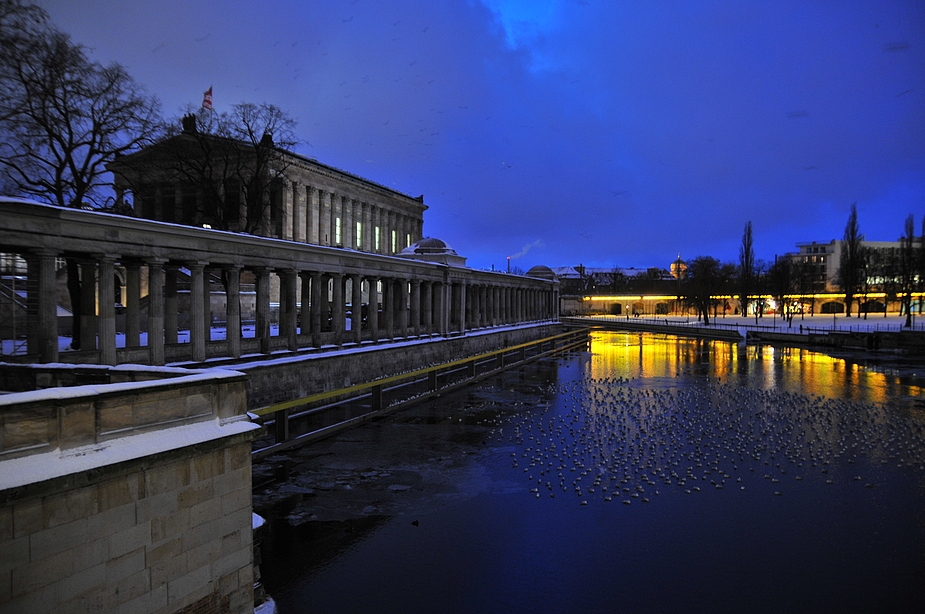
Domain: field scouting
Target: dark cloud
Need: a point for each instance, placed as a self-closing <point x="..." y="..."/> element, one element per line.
<point x="595" y="132"/>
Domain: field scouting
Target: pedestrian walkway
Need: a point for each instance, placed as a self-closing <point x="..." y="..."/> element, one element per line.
<point x="800" y="325"/>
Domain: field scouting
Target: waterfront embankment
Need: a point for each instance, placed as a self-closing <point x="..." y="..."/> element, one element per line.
<point x="874" y="332"/>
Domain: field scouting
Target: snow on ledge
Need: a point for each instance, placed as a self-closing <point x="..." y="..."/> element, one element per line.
<point x="75" y="392"/>
<point x="35" y="468"/>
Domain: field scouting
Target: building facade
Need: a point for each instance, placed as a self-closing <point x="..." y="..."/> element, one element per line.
<point x="203" y="180"/>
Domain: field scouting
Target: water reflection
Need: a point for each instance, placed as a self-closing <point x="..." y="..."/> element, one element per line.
<point x="652" y="474"/>
<point x="648" y="355"/>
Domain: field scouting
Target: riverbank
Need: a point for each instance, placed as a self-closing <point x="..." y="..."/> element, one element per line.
<point x="565" y="483"/>
<point x="874" y="333"/>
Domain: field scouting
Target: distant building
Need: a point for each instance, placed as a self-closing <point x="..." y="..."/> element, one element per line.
<point x="823" y="260"/>
<point x="616" y="291"/>
<point x="581" y="280"/>
<point x="215" y="182"/>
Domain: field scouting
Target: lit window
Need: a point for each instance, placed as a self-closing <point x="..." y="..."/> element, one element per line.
<point x="394" y="241"/>
<point x="359" y="241"/>
<point x="376" y="235"/>
<point x="337" y="237"/>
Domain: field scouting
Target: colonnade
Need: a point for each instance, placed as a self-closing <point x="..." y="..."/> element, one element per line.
<point x="310" y="214"/>
<point x="192" y="294"/>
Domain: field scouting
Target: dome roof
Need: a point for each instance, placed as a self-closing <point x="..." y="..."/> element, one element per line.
<point x="430" y="249"/>
<point x="541" y="272"/>
<point x="429" y="245"/>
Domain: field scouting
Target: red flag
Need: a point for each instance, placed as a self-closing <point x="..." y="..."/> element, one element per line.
<point x="207" y="99"/>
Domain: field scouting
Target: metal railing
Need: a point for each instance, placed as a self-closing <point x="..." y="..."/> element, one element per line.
<point x="797" y="326"/>
<point x="362" y="402"/>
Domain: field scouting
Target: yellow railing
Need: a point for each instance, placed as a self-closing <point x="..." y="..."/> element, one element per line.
<point x="280" y="411"/>
<point x="383" y="381"/>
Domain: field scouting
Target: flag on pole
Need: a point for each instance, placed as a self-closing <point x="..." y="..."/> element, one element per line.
<point x="207" y="99"/>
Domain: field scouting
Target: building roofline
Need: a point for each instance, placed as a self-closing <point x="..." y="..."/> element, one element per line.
<point x="297" y="156"/>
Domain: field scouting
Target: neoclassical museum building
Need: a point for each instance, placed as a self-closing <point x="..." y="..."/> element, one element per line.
<point x="216" y="182"/>
<point x="220" y="247"/>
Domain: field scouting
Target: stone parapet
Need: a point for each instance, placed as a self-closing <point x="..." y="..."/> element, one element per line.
<point x="39" y="421"/>
<point x="127" y="497"/>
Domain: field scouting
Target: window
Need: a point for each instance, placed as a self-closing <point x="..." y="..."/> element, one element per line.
<point x="337" y="235"/>
<point x="376" y="234"/>
<point x="359" y="235"/>
<point x="407" y="240"/>
<point x="394" y="241"/>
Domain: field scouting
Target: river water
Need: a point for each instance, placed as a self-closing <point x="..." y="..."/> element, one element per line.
<point x="652" y="474"/>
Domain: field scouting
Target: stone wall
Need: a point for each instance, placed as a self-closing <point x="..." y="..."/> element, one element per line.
<point x="131" y="497"/>
<point x="163" y="533"/>
<point x="282" y="380"/>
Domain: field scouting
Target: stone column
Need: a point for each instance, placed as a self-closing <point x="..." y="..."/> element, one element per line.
<point x="305" y="301"/>
<point x="233" y="310"/>
<point x="499" y="314"/>
<point x="356" y="313"/>
<point x="511" y="307"/>
<point x="347" y="215"/>
<point x="171" y="309"/>
<point x="286" y="209"/>
<point x="262" y="331"/>
<point x="107" y="323"/>
<point x="388" y="307"/>
<point x="337" y="308"/>
<point x="389" y="227"/>
<point x="441" y="313"/>
<point x="300" y="213"/>
<point x="476" y="312"/>
<point x="414" y="325"/>
<point x="402" y="306"/>
<point x="311" y="214"/>
<point x="315" y="307"/>
<point x="132" y="304"/>
<point x="324" y="217"/>
<point x="461" y="306"/>
<point x="372" y="312"/>
<point x="427" y="307"/>
<point x="44" y="341"/>
<point x="206" y="306"/>
<point x="287" y="324"/>
<point x="367" y="228"/>
<point x="155" y="310"/>
<point x="197" y="300"/>
<point x="336" y="214"/>
<point x="89" y="323"/>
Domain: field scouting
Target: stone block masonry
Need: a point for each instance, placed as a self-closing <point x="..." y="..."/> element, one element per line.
<point x="156" y="521"/>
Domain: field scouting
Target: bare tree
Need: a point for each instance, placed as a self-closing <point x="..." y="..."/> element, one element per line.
<point x="920" y="266"/>
<point x="618" y="279"/>
<point x="907" y="268"/>
<point x="781" y="284"/>
<point x="851" y="267"/>
<point x="802" y="277"/>
<point x="63" y="118"/>
<point x="704" y="279"/>
<point x="235" y="162"/>
<point x="746" y="270"/>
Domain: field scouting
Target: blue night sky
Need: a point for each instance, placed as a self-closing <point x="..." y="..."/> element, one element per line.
<point x="606" y="133"/>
